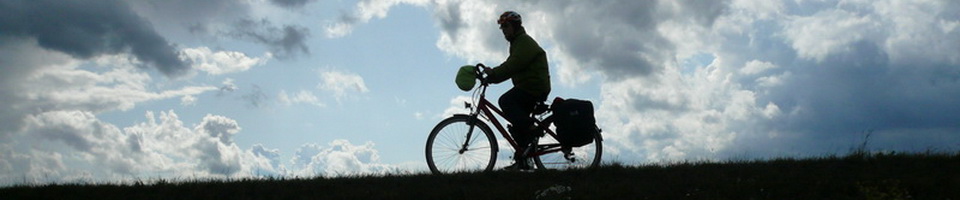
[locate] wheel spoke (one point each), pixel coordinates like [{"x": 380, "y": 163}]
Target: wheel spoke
[
  {"x": 448, "y": 153},
  {"x": 450, "y": 141}
]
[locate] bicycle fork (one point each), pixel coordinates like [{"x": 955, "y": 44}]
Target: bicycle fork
[{"x": 466, "y": 142}]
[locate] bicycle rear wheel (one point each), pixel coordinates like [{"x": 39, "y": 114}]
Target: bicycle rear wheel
[
  {"x": 582, "y": 157},
  {"x": 455, "y": 145}
]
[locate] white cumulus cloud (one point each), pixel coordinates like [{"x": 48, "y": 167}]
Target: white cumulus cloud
[
  {"x": 340, "y": 157},
  {"x": 341, "y": 84},
  {"x": 162, "y": 146},
  {"x": 221, "y": 62},
  {"x": 303, "y": 96}
]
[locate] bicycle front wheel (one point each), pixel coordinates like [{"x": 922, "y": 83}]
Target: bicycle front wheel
[
  {"x": 580, "y": 157},
  {"x": 457, "y": 145}
]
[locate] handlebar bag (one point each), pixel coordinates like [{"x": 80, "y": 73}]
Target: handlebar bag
[{"x": 466, "y": 77}]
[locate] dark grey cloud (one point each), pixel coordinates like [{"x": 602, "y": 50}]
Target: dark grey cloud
[
  {"x": 85, "y": 29},
  {"x": 903, "y": 90},
  {"x": 285, "y": 41},
  {"x": 451, "y": 20},
  {"x": 291, "y": 3},
  {"x": 701, "y": 12},
  {"x": 184, "y": 12},
  {"x": 863, "y": 90},
  {"x": 216, "y": 19},
  {"x": 194, "y": 19},
  {"x": 17, "y": 59},
  {"x": 256, "y": 97},
  {"x": 621, "y": 38}
]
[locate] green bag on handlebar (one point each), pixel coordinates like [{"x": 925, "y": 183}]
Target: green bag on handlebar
[{"x": 466, "y": 77}]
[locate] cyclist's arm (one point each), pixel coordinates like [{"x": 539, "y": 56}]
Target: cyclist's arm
[{"x": 519, "y": 59}]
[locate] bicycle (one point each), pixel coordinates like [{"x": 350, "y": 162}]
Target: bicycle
[{"x": 454, "y": 145}]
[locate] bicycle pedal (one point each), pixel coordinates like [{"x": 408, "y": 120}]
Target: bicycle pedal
[{"x": 570, "y": 157}]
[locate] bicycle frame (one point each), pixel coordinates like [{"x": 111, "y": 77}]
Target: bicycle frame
[{"x": 487, "y": 108}]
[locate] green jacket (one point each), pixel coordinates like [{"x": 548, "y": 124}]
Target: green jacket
[{"x": 527, "y": 66}]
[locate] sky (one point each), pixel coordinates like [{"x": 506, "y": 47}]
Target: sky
[{"x": 117, "y": 90}]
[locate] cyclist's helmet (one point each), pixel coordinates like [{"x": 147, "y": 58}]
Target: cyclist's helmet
[{"x": 509, "y": 16}]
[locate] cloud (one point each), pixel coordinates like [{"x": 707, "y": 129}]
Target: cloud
[
  {"x": 159, "y": 147},
  {"x": 828, "y": 32},
  {"x": 457, "y": 106},
  {"x": 303, "y": 96},
  {"x": 188, "y": 100},
  {"x": 579, "y": 43},
  {"x": 42, "y": 80},
  {"x": 217, "y": 152},
  {"x": 183, "y": 14},
  {"x": 339, "y": 158},
  {"x": 755, "y": 67},
  {"x": 218, "y": 19},
  {"x": 418, "y": 115},
  {"x": 21, "y": 58},
  {"x": 469, "y": 31},
  {"x": 207, "y": 148},
  {"x": 682, "y": 117},
  {"x": 227, "y": 86},
  {"x": 687, "y": 79},
  {"x": 341, "y": 84},
  {"x": 463, "y": 25},
  {"x": 214, "y": 20},
  {"x": 219, "y": 127},
  {"x": 51, "y": 101},
  {"x": 65, "y": 63},
  {"x": 256, "y": 97},
  {"x": 270, "y": 165},
  {"x": 788, "y": 81},
  {"x": 222, "y": 62},
  {"x": 333, "y": 83},
  {"x": 286, "y": 41},
  {"x": 86, "y": 29},
  {"x": 366, "y": 10},
  {"x": 291, "y": 3},
  {"x": 118, "y": 89},
  {"x": 162, "y": 146}
]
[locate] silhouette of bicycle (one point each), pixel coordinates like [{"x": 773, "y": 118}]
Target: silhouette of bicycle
[{"x": 464, "y": 142}]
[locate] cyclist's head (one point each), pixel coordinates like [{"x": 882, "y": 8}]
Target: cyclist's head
[
  {"x": 510, "y": 24},
  {"x": 510, "y": 17}
]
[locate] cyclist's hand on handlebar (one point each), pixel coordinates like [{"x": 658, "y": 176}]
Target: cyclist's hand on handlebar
[{"x": 483, "y": 68}]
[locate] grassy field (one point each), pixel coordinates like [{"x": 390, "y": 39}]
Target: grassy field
[{"x": 857, "y": 176}]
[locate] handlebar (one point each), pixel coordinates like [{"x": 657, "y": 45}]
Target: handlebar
[{"x": 480, "y": 69}]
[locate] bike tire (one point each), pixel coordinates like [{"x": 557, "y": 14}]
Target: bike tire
[
  {"x": 443, "y": 150},
  {"x": 586, "y": 156}
]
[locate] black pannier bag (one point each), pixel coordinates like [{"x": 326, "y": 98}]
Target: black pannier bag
[{"x": 575, "y": 123}]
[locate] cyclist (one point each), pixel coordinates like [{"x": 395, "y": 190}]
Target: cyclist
[{"x": 527, "y": 67}]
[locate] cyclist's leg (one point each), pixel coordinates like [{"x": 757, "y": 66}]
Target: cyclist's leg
[{"x": 517, "y": 106}]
